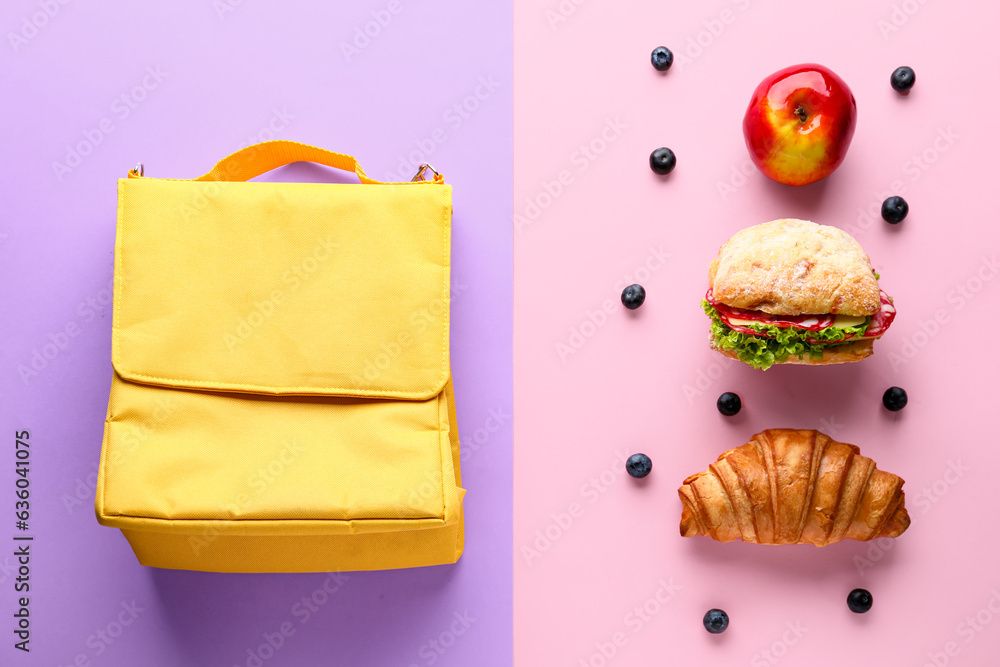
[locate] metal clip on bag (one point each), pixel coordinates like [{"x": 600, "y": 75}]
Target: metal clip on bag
[{"x": 281, "y": 398}]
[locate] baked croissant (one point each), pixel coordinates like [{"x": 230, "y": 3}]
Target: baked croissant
[{"x": 788, "y": 486}]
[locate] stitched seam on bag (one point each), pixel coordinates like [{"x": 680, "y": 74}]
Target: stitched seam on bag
[
  {"x": 192, "y": 180},
  {"x": 461, "y": 506},
  {"x": 103, "y": 491},
  {"x": 451, "y": 426},
  {"x": 118, "y": 274},
  {"x": 381, "y": 391},
  {"x": 446, "y": 288},
  {"x": 344, "y": 521},
  {"x": 460, "y": 532},
  {"x": 444, "y": 498},
  {"x": 115, "y": 292},
  {"x": 105, "y": 444},
  {"x": 342, "y": 392}
]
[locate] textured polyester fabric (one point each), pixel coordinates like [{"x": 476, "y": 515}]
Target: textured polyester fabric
[{"x": 281, "y": 397}]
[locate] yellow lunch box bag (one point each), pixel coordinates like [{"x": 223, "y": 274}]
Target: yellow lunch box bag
[{"x": 281, "y": 399}]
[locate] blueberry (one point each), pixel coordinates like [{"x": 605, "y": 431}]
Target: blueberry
[
  {"x": 662, "y": 58},
  {"x": 894, "y": 399},
  {"x": 639, "y": 465},
  {"x": 894, "y": 209},
  {"x": 662, "y": 161},
  {"x": 859, "y": 600},
  {"x": 902, "y": 79},
  {"x": 716, "y": 621},
  {"x": 729, "y": 403},
  {"x": 633, "y": 296}
]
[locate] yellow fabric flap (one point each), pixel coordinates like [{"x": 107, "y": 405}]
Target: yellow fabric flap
[
  {"x": 211, "y": 463},
  {"x": 283, "y": 288}
]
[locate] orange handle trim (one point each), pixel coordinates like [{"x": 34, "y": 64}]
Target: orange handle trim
[{"x": 258, "y": 159}]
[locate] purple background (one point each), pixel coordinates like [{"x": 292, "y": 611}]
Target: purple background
[{"x": 229, "y": 78}]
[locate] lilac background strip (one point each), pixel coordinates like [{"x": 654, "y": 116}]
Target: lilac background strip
[{"x": 92, "y": 88}]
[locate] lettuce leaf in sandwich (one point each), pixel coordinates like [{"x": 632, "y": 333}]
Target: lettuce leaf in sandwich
[{"x": 776, "y": 344}]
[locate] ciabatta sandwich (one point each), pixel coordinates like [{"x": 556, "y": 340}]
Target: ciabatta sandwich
[{"x": 794, "y": 292}]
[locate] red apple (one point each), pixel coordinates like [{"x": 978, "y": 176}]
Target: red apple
[{"x": 799, "y": 124}]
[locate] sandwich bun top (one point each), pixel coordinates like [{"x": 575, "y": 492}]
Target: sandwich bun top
[{"x": 794, "y": 267}]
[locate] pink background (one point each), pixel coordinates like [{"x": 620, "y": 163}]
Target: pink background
[{"x": 646, "y": 381}]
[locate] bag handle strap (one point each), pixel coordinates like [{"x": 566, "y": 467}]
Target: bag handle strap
[{"x": 257, "y": 159}]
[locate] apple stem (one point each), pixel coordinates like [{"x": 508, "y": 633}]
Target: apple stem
[{"x": 801, "y": 113}]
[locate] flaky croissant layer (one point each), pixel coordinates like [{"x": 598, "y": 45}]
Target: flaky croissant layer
[{"x": 790, "y": 486}]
